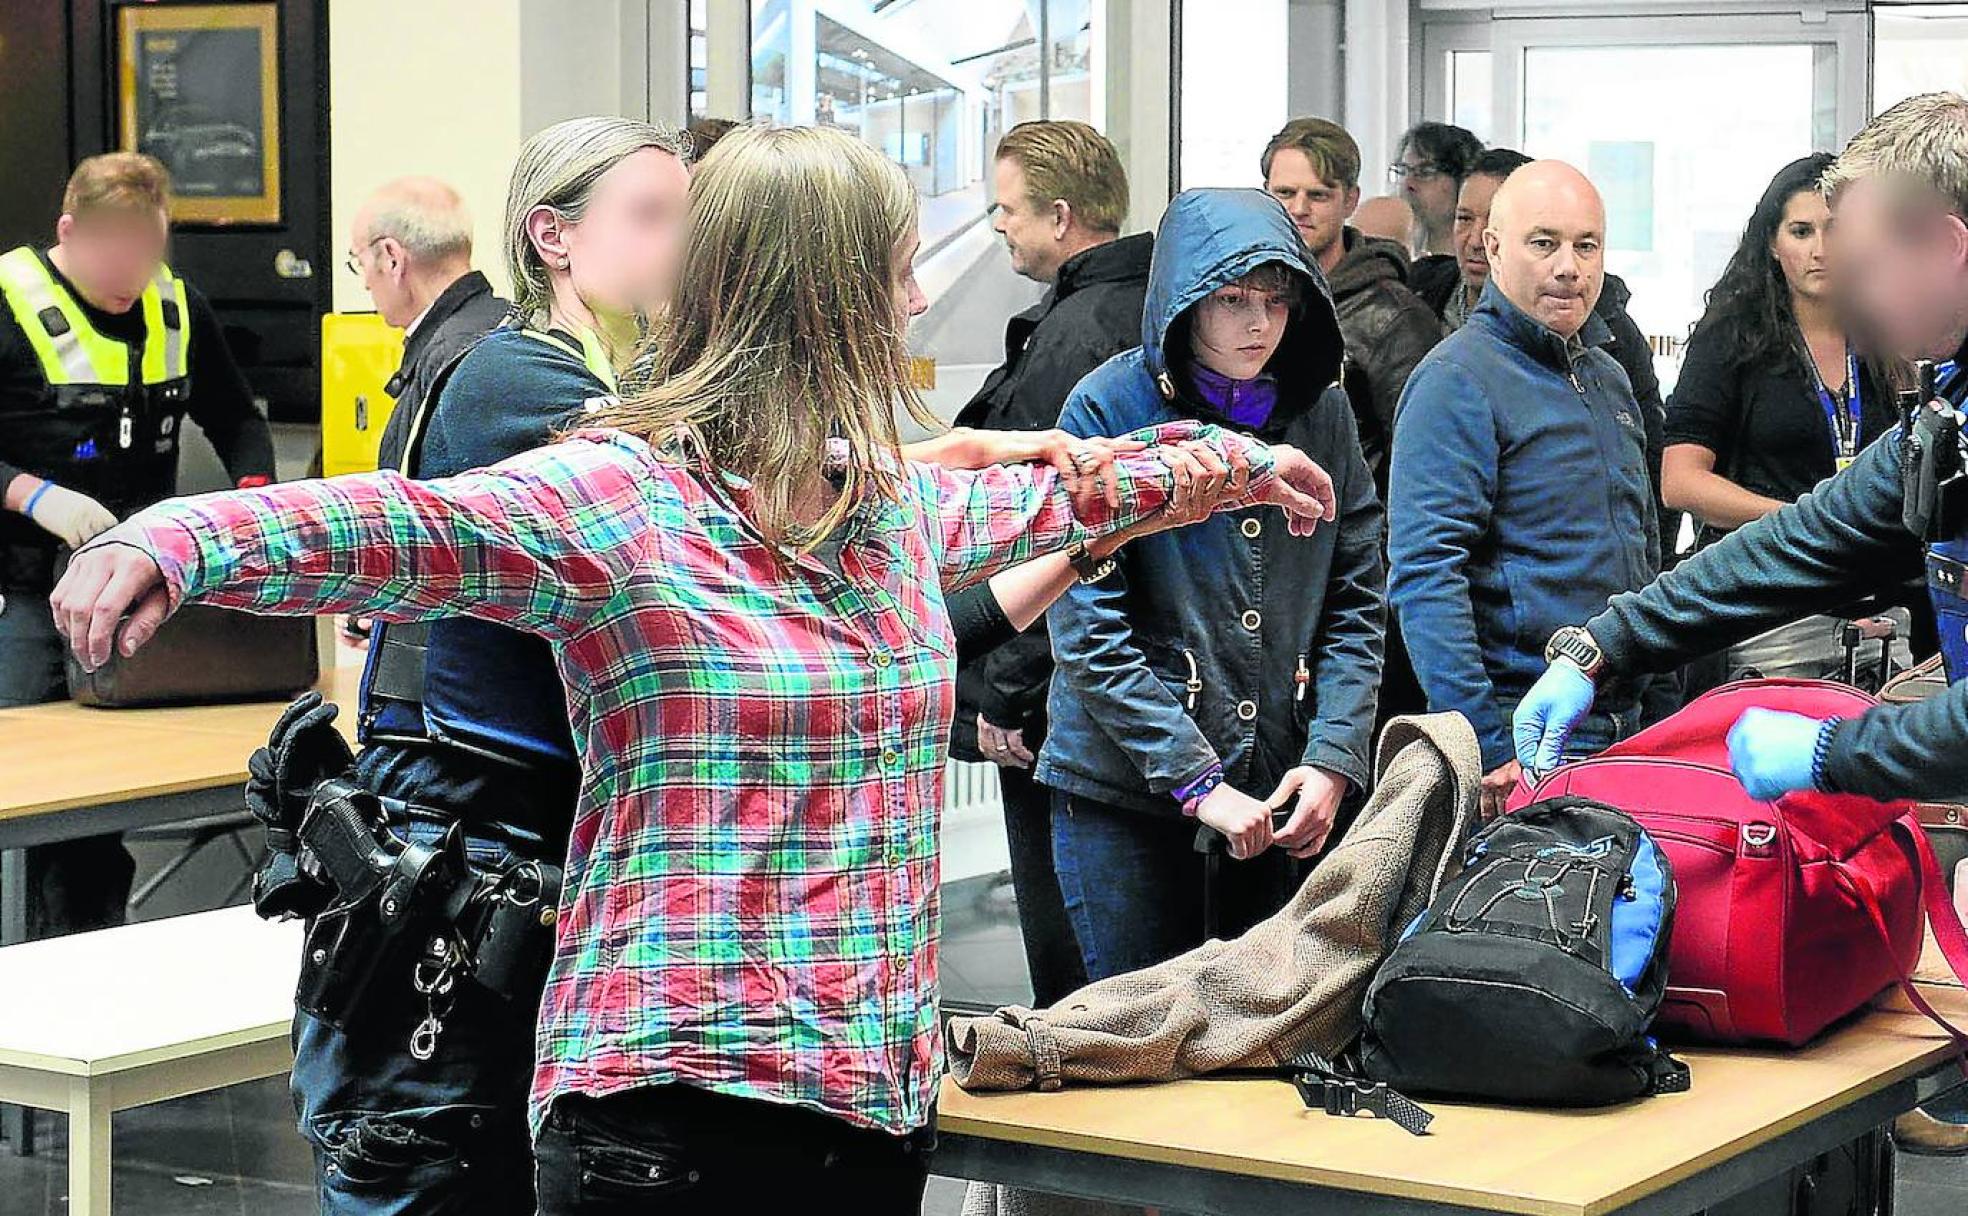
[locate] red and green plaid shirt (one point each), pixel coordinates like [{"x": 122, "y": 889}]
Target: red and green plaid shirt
[{"x": 751, "y": 896}]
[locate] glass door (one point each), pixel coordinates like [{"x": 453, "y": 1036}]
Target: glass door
[{"x": 1680, "y": 124}]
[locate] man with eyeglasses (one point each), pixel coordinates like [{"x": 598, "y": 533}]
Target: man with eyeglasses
[
  {"x": 103, "y": 353},
  {"x": 411, "y": 246},
  {"x": 1433, "y": 159}
]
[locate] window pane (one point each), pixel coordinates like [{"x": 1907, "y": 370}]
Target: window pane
[
  {"x": 1678, "y": 183},
  {"x": 1469, "y": 92},
  {"x": 1923, "y": 50},
  {"x": 698, "y": 97},
  {"x": 1233, "y": 88},
  {"x": 934, "y": 84}
]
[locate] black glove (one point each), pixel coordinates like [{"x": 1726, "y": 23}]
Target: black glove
[{"x": 303, "y": 750}]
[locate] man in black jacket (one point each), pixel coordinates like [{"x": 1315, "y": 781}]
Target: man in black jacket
[
  {"x": 411, "y": 246},
  {"x": 1313, "y": 168},
  {"x": 1061, "y": 199}
]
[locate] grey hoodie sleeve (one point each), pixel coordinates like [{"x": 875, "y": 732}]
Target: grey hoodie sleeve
[{"x": 1841, "y": 542}]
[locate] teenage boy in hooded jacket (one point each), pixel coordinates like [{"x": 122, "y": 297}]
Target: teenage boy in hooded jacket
[{"x": 1230, "y": 669}]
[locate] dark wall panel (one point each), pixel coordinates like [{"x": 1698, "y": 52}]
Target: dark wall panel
[{"x": 34, "y": 118}]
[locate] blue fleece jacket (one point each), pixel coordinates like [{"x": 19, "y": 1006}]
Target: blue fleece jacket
[{"x": 1519, "y": 502}]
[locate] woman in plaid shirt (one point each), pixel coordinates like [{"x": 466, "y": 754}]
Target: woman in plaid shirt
[{"x": 744, "y": 585}]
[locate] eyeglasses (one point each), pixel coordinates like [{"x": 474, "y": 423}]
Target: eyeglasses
[
  {"x": 1399, "y": 172},
  {"x": 354, "y": 260}
]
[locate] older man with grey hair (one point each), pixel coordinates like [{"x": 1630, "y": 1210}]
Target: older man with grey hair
[{"x": 411, "y": 246}]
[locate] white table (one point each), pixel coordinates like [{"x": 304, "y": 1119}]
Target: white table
[{"x": 100, "y": 1022}]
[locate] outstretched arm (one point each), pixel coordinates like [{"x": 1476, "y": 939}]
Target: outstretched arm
[{"x": 538, "y": 542}]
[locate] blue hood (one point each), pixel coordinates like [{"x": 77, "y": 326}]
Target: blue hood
[{"x": 1212, "y": 237}]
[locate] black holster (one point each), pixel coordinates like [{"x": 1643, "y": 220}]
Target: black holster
[
  {"x": 495, "y": 926},
  {"x": 1933, "y": 472},
  {"x": 382, "y": 886}
]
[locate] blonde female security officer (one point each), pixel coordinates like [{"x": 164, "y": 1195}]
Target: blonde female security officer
[{"x": 103, "y": 352}]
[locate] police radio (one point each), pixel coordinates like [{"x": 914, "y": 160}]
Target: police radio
[{"x": 1935, "y": 503}]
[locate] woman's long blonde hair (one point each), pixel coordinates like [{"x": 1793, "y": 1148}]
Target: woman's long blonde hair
[{"x": 784, "y": 332}]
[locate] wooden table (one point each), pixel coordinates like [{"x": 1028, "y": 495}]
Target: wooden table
[
  {"x": 94, "y": 1023},
  {"x": 1234, "y": 1146},
  {"x": 67, "y": 772}
]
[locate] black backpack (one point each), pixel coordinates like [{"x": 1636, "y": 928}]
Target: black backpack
[{"x": 1535, "y": 974}]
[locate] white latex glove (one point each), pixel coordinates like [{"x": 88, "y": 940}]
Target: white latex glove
[{"x": 74, "y": 518}]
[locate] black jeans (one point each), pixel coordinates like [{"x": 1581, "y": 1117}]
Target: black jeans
[
  {"x": 1052, "y": 953},
  {"x": 675, "y": 1149},
  {"x": 73, "y": 885}
]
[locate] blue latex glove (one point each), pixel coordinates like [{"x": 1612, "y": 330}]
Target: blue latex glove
[
  {"x": 1773, "y": 752},
  {"x": 1545, "y": 717}
]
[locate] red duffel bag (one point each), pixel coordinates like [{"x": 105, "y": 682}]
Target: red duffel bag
[{"x": 1792, "y": 913}]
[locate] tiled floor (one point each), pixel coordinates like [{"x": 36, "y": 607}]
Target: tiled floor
[{"x": 235, "y": 1153}]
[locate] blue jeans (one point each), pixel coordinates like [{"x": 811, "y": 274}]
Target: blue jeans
[
  {"x": 72, "y": 885},
  {"x": 1052, "y": 957},
  {"x": 1133, "y": 884},
  {"x": 393, "y": 1134}
]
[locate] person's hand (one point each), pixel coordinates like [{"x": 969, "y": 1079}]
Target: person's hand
[
  {"x": 72, "y": 518},
  {"x": 1546, "y": 716},
  {"x": 356, "y": 631},
  {"x": 104, "y": 584},
  {"x": 1086, "y": 465},
  {"x": 1004, "y": 748},
  {"x": 1318, "y": 792},
  {"x": 1497, "y": 787},
  {"x": 1302, "y": 489},
  {"x": 1773, "y": 752},
  {"x": 1244, "y": 821},
  {"x": 1204, "y": 481}
]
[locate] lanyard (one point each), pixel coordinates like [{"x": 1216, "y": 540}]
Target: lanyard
[
  {"x": 1947, "y": 378},
  {"x": 1842, "y": 410}
]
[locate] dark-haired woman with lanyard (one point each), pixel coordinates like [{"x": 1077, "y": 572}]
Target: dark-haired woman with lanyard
[{"x": 1772, "y": 399}]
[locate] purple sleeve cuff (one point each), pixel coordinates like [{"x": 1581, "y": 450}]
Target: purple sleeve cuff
[{"x": 1192, "y": 793}]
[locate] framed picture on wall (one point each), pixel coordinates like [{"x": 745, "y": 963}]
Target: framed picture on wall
[{"x": 198, "y": 87}]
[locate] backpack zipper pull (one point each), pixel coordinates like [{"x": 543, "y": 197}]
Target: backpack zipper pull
[{"x": 1300, "y": 678}]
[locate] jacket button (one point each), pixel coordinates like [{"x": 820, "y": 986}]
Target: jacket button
[
  {"x": 1247, "y": 710},
  {"x": 1252, "y": 620},
  {"x": 883, "y": 658},
  {"x": 1253, "y": 527}
]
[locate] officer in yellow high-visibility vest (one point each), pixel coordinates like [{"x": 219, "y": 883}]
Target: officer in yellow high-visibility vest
[{"x": 103, "y": 352}]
